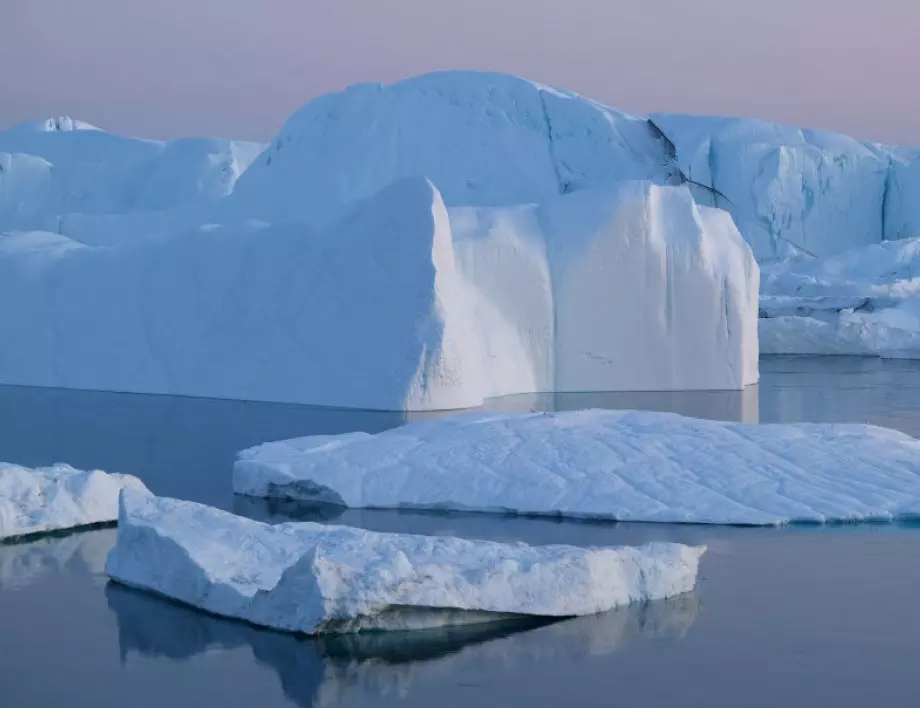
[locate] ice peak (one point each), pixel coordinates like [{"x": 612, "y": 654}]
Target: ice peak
[{"x": 55, "y": 124}]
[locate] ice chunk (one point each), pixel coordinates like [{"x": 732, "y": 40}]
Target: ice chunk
[
  {"x": 312, "y": 579},
  {"x": 861, "y": 302},
  {"x": 56, "y": 498},
  {"x": 622, "y": 465}
]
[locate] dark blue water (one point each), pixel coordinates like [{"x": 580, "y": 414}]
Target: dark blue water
[{"x": 793, "y": 617}]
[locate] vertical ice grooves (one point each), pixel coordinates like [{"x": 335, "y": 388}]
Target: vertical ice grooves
[{"x": 561, "y": 185}]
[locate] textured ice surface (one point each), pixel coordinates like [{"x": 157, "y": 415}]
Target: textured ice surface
[
  {"x": 621, "y": 288},
  {"x": 483, "y": 139},
  {"x": 622, "y": 465},
  {"x": 862, "y": 302},
  {"x": 788, "y": 189},
  {"x": 57, "y": 498},
  {"x": 312, "y": 578}
]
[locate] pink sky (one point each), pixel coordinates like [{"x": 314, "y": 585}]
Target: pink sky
[{"x": 238, "y": 68}]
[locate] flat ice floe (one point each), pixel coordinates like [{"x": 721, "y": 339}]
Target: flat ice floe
[
  {"x": 863, "y": 302},
  {"x": 314, "y": 579},
  {"x": 617, "y": 465},
  {"x": 57, "y": 498}
]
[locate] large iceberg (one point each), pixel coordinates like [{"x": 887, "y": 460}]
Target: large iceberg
[
  {"x": 315, "y": 579},
  {"x": 789, "y": 190},
  {"x": 617, "y": 465},
  {"x": 861, "y": 302},
  {"x": 627, "y": 287},
  {"x": 56, "y": 498},
  {"x": 57, "y": 170},
  {"x": 484, "y": 139}
]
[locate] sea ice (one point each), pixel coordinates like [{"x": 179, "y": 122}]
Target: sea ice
[
  {"x": 315, "y": 579},
  {"x": 861, "y": 302},
  {"x": 618, "y": 465},
  {"x": 56, "y": 498}
]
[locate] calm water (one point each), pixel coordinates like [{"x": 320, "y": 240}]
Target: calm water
[{"x": 794, "y": 617}]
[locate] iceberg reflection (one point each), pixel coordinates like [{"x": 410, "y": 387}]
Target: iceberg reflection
[{"x": 328, "y": 670}]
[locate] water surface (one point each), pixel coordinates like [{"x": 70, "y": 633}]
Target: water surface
[{"x": 795, "y": 617}]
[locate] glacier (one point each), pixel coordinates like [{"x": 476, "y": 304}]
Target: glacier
[
  {"x": 862, "y": 302},
  {"x": 46, "y": 499},
  {"x": 397, "y": 306},
  {"x": 610, "y": 465},
  {"x": 314, "y": 579}
]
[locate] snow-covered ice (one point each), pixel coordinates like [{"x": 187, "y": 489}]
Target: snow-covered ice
[
  {"x": 314, "y": 579},
  {"x": 862, "y": 302},
  {"x": 56, "y": 498},
  {"x": 617, "y": 465},
  {"x": 627, "y": 287}
]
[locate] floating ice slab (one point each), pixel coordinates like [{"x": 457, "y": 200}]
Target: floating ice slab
[
  {"x": 314, "y": 579},
  {"x": 56, "y": 498},
  {"x": 622, "y": 465},
  {"x": 862, "y": 302}
]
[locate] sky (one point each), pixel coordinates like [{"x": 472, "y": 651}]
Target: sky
[{"x": 239, "y": 68}]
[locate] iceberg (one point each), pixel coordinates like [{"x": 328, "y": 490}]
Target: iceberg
[
  {"x": 613, "y": 465},
  {"x": 789, "y": 190},
  {"x": 484, "y": 139},
  {"x": 861, "y": 302},
  {"x": 314, "y": 579},
  {"x": 57, "y": 498},
  {"x": 398, "y": 306},
  {"x": 59, "y": 169}
]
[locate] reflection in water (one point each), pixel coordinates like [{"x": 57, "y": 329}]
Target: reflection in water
[
  {"x": 22, "y": 564},
  {"x": 740, "y": 406},
  {"x": 325, "y": 671}
]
